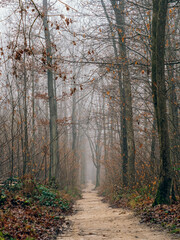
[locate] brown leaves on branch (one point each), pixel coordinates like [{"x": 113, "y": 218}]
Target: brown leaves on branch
[
  {"x": 43, "y": 96},
  {"x": 68, "y": 21},
  {"x": 73, "y": 90},
  {"x": 19, "y": 52},
  {"x": 64, "y": 121},
  {"x": 43, "y": 122},
  {"x": 57, "y": 27}
]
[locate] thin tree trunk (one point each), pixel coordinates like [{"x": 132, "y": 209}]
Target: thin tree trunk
[
  {"x": 21, "y": 125},
  {"x": 52, "y": 100},
  {"x": 124, "y": 147},
  {"x": 153, "y": 144},
  {"x": 97, "y": 176},
  {"x": 12, "y": 130},
  {"x": 104, "y": 134},
  {"x": 120, "y": 21},
  {"x": 26, "y": 166},
  {"x": 33, "y": 118}
]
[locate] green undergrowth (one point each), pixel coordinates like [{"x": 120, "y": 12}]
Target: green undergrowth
[
  {"x": 140, "y": 199},
  {"x": 30, "y": 210},
  {"x": 74, "y": 192}
]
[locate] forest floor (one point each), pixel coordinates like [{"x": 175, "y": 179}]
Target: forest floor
[
  {"x": 96, "y": 220},
  {"x": 30, "y": 211}
]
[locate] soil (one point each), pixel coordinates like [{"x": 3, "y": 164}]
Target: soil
[{"x": 95, "y": 220}]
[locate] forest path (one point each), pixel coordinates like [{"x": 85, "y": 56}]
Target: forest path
[{"x": 95, "y": 220}]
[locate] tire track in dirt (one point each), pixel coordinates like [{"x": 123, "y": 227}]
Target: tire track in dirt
[{"x": 97, "y": 221}]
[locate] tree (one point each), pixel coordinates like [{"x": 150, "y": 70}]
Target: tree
[
  {"x": 54, "y": 151},
  {"x": 96, "y": 151},
  {"x": 119, "y": 8},
  {"x": 164, "y": 191},
  {"x": 124, "y": 148}
]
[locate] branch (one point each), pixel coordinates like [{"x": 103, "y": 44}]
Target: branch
[
  {"x": 68, "y": 5},
  {"x": 40, "y": 14}
]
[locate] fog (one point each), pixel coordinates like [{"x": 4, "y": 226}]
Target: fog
[{"x": 76, "y": 96}]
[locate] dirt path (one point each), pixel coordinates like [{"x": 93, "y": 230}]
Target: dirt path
[{"x": 95, "y": 220}]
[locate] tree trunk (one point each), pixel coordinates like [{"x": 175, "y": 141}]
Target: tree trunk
[
  {"x": 26, "y": 165},
  {"x": 153, "y": 145},
  {"x": 104, "y": 136},
  {"x": 120, "y": 21},
  {"x": 52, "y": 100},
  {"x": 74, "y": 137},
  {"x": 124, "y": 147},
  {"x": 159, "y": 96},
  {"x": 173, "y": 108},
  {"x": 97, "y": 175},
  {"x": 33, "y": 118}
]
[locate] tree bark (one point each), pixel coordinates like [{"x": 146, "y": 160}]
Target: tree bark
[
  {"x": 52, "y": 100},
  {"x": 123, "y": 140},
  {"x": 153, "y": 145},
  {"x": 120, "y": 21},
  {"x": 173, "y": 107},
  {"x": 159, "y": 97},
  {"x": 98, "y": 175}
]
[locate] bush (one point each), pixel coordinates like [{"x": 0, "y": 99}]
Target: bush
[
  {"x": 50, "y": 197},
  {"x": 12, "y": 184},
  {"x": 2, "y": 197}
]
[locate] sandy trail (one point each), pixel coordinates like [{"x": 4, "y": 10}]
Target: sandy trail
[{"x": 95, "y": 220}]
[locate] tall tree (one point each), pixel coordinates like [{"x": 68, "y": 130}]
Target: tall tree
[
  {"x": 54, "y": 152},
  {"x": 124, "y": 148},
  {"x": 159, "y": 98},
  {"x": 119, "y": 11}
]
